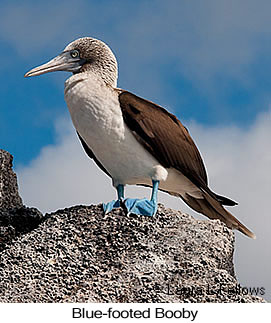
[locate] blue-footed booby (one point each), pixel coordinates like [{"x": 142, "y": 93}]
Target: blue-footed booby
[{"x": 134, "y": 141}]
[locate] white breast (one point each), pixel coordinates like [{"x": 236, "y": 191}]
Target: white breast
[{"x": 96, "y": 115}]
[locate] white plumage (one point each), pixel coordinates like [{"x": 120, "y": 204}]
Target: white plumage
[{"x": 97, "y": 117}]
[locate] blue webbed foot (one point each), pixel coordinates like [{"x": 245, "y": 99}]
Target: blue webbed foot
[
  {"x": 108, "y": 207},
  {"x": 141, "y": 206}
]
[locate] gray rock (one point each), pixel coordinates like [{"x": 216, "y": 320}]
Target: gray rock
[
  {"x": 79, "y": 255},
  {"x": 9, "y": 196},
  {"x": 15, "y": 218}
]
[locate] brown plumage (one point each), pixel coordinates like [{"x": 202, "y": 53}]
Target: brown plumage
[{"x": 164, "y": 136}]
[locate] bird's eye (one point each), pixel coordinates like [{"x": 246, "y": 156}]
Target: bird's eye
[{"x": 74, "y": 53}]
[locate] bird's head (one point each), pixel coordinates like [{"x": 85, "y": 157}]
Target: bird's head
[{"x": 81, "y": 56}]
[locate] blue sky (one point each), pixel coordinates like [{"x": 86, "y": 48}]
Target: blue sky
[{"x": 208, "y": 62}]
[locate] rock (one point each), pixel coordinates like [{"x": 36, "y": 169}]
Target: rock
[
  {"x": 79, "y": 255},
  {"x": 15, "y": 218},
  {"x": 9, "y": 196}
]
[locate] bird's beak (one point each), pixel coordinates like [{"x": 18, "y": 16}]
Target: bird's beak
[{"x": 62, "y": 62}]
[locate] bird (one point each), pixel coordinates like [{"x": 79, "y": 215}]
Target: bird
[{"x": 133, "y": 140}]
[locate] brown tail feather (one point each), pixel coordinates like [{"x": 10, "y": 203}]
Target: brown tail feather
[{"x": 213, "y": 209}]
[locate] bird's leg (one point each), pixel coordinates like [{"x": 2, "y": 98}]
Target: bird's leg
[
  {"x": 144, "y": 206},
  {"x": 120, "y": 190},
  {"x": 107, "y": 207}
]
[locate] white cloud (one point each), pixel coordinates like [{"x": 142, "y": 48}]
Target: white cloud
[
  {"x": 62, "y": 175},
  {"x": 238, "y": 161}
]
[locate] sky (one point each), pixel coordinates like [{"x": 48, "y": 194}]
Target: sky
[{"x": 208, "y": 62}]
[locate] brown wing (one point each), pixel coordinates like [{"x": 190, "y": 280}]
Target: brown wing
[{"x": 164, "y": 136}]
